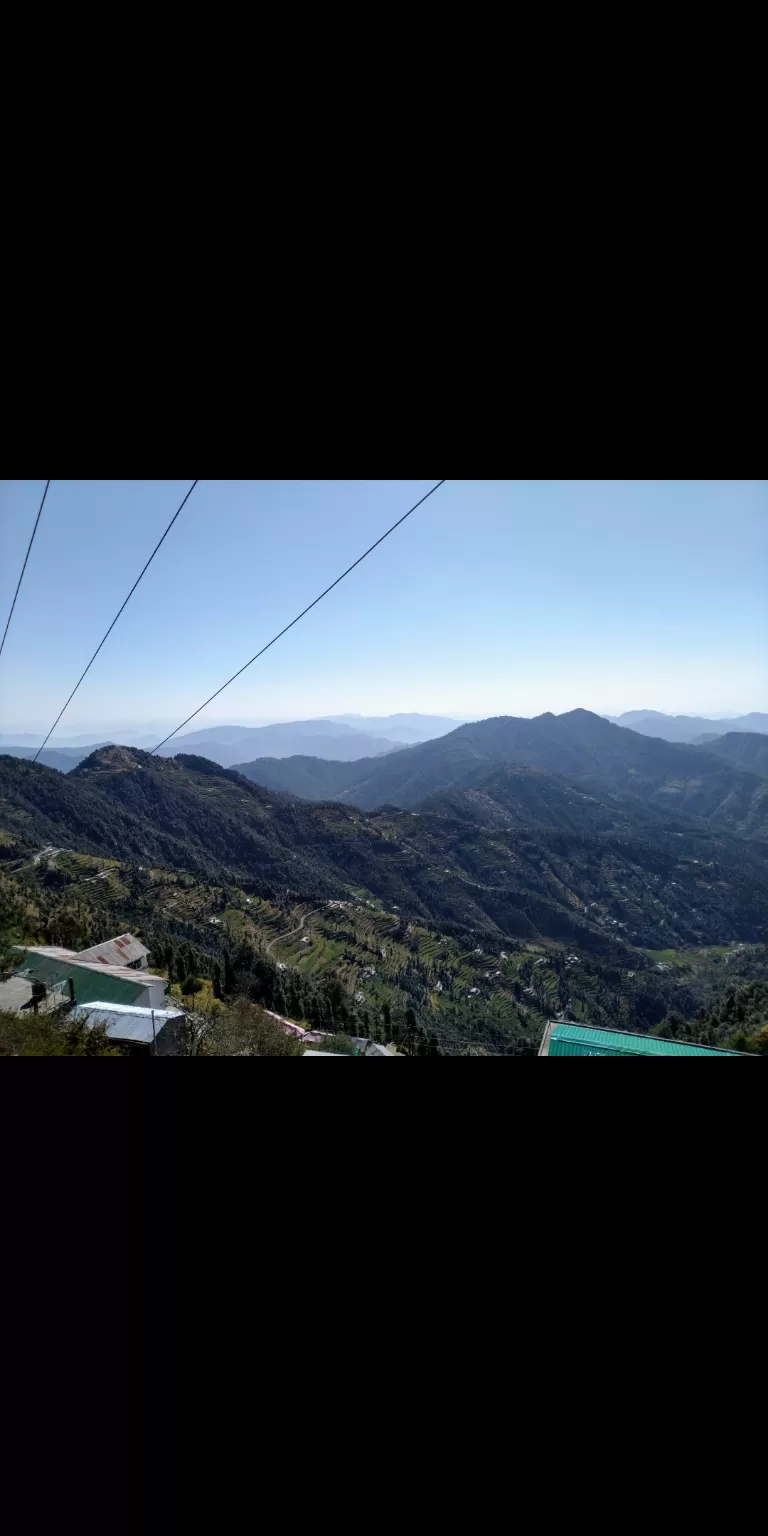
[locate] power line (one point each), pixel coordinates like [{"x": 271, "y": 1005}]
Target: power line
[
  {"x": 114, "y": 621},
  {"x": 24, "y": 567},
  {"x": 298, "y": 616}
]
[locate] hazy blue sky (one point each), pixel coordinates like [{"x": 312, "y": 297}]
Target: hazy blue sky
[{"x": 495, "y": 597}]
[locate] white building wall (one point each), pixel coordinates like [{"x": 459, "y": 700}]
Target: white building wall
[{"x": 153, "y": 995}]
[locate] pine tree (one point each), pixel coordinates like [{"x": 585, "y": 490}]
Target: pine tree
[
  {"x": 190, "y": 985},
  {"x": 410, "y": 1029}
]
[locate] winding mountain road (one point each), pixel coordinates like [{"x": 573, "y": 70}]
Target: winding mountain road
[{"x": 280, "y": 938}]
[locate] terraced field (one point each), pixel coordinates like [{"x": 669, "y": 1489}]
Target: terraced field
[
  {"x": 495, "y": 993},
  {"x": 86, "y": 869}
]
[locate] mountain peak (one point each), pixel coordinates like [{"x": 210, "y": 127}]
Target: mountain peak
[
  {"x": 117, "y": 759},
  {"x": 580, "y": 714}
]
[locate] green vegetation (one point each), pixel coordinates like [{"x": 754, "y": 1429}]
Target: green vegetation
[
  {"x": 53, "y": 1034},
  {"x": 735, "y": 1021},
  {"x": 189, "y": 987},
  {"x": 458, "y": 928},
  {"x": 623, "y": 876},
  {"x": 337, "y": 1045},
  {"x": 240, "y": 1029}
]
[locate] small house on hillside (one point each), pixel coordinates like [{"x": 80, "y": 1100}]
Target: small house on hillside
[{"x": 68, "y": 977}]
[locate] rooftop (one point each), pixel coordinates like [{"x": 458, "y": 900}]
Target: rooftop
[
  {"x": 51, "y": 951},
  {"x": 123, "y": 972},
  {"x": 125, "y": 1023},
  {"x": 120, "y": 951},
  {"x": 583, "y": 1040}
]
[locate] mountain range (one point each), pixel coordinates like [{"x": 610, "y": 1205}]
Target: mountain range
[
  {"x": 323, "y": 738},
  {"x": 62, "y": 758},
  {"x": 343, "y": 738},
  {"x": 580, "y": 746},
  {"x": 525, "y": 853},
  {"x": 406, "y": 729},
  {"x": 688, "y": 728},
  {"x": 485, "y": 878}
]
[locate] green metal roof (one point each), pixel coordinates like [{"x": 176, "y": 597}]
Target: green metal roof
[{"x": 580, "y": 1040}]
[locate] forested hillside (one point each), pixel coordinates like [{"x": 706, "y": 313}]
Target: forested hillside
[
  {"x": 745, "y": 749},
  {"x": 547, "y": 861},
  {"x": 482, "y": 914},
  {"x": 311, "y": 778},
  {"x": 736, "y": 1019},
  {"x": 357, "y": 965}
]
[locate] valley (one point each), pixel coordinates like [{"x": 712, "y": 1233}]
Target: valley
[{"x": 492, "y": 908}]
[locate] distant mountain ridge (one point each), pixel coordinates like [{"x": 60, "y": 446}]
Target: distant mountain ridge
[
  {"x": 323, "y": 738},
  {"x": 406, "y": 729},
  {"x": 580, "y": 746},
  {"x": 62, "y": 758},
  {"x": 225, "y": 744},
  {"x": 341, "y": 738},
  {"x": 685, "y": 728}
]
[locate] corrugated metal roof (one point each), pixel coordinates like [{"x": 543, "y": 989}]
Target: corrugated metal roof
[
  {"x": 139, "y": 978},
  {"x": 122, "y": 1022},
  {"x": 49, "y": 950},
  {"x": 119, "y": 951},
  {"x": 613, "y": 1042}
]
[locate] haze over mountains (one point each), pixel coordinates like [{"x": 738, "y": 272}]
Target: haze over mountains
[
  {"x": 343, "y": 738},
  {"x": 405, "y": 729},
  {"x": 579, "y": 746},
  {"x": 323, "y": 738},
  {"x": 348, "y": 738},
  {"x": 689, "y": 728}
]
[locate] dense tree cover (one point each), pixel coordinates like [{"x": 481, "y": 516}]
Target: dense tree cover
[
  {"x": 310, "y": 778},
  {"x": 601, "y": 880},
  {"x": 737, "y": 1020},
  {"x": 599, "y": 990}
]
